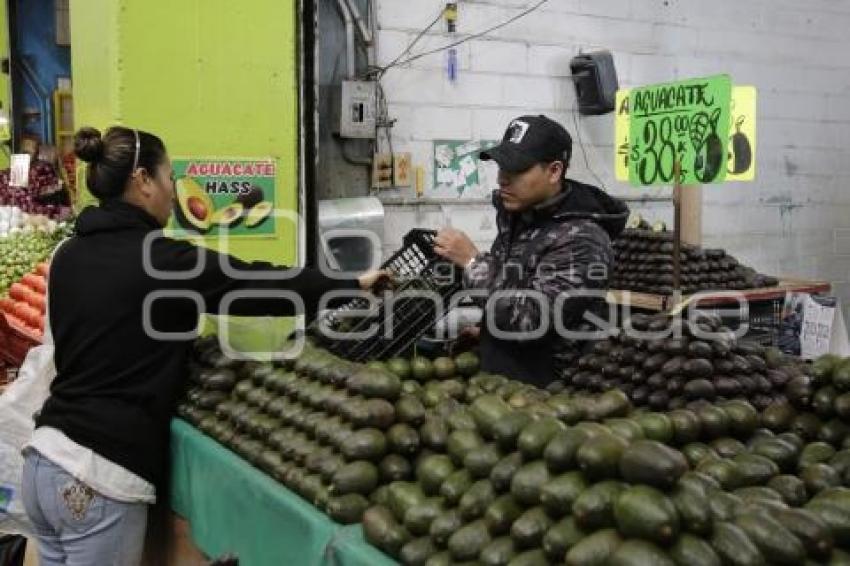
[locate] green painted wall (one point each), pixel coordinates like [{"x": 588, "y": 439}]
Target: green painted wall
[
  {"x": 214, "y": 78},
  {"x": 5, "y": 90}
]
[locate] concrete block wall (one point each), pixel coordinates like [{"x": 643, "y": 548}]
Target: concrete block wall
[{"x": 793, "y": 220}]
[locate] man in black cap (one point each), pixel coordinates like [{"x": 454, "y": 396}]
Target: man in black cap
[{"x": 554, "y": 238}]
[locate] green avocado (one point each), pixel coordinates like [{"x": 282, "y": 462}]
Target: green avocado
[
  {"x": 504, "y": 471},
  {"x": 482, "y": 461},
  {"x": 468, "y": 542},
  {"x": 444, "y": 526},
  {"x": 811, "y": 531},
  {"x": 734, "y": 546},
  {"x": 639, "y": 553},
  {"x": 776, "y": 543},
  {"x": 536, "y": 435},
  {"x": 455, "y": 485},
  {"x": 476, "y": 500},
  {"x": 466, "y": 364},
  {"x": 652, "y": 463},
  {"x": 365, "y": 444},
  {"x": 418, "y": 519},
  {"x": 382, "y": 530},
  {"x": 644, "y": 512},
  {"x": 560, "y": 452},
  {"x": 599, "y": 457},
  {"x": 754, "y": 469},
  {"x": 433, "y": 471},
  {"x": 693, "y": 551},
  {"x": 691, "y": 502},
  {"x": 558, "y": 496},
  {"x": 594, "y": 508},
  {"x": 561, "y": 537},
  {"x": 527, "y": 483},
  {"x": 347, "y": 509},
  {"x": 528, "y": 530},
  {"x": 418, "y": 551},
  {"x": 501, "y": 514},
  {"x": 499, "y": 552},
  {"x": 594, "y": 550}
]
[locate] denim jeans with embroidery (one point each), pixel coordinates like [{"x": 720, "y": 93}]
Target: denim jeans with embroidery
[{"x": 75, "y": 525}]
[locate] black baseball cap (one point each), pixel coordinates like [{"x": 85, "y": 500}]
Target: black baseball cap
[{"x": 530, "y": 140}]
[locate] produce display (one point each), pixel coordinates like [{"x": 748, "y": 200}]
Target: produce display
[
  {"x": 20, "y": 253},
  {"x": 672, "y": 366},
  {"x": 445, "y": 465},
  {"x": 644, "y": 263},
  {"x": 331, "y": 430},
  {"x": 14, "y": 221},
  {"x": 26, "y": 304},
  {"x": 43, "y": 183}
]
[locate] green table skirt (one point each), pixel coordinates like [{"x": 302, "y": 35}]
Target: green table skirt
[{"x": 233, "y": 507}]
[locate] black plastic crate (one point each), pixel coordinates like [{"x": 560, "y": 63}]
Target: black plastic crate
[{"x": 403, "y": 316}]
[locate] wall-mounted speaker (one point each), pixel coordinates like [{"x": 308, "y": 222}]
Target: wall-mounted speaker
[{"x": 596, "y": 82}]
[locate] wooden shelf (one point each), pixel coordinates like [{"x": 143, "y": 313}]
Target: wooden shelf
[{"x": 661, "y": 303}]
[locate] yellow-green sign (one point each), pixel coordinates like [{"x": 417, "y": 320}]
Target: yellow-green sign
[
  {"x": 685, "y": 121},
  {"x": 218, "y": 196},
  {"x": 742, "y": 135}
]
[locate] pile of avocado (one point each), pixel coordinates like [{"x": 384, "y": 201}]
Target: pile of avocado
[
  {"x": 444, "y": 464},
  {"x": 666, "y": 363},
  {"x": 332, "y": 430},
  {"x": 527, "y": 486},
  {"x": 644, "y": 263}
]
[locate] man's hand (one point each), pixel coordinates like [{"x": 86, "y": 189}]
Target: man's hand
[
  {"x": 375, "y": 281},
  {"x": 455, "y": 246}
]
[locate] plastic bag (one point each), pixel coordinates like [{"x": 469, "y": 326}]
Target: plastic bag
[
  {"x": 23, "y": 398},
  {"x": 18, "y": 404}
]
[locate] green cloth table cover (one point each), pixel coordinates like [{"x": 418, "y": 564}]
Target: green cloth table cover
[{"x": 233, "y": 507}]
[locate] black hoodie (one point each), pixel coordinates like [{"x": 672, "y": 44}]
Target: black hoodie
[
  {"x": 559, "y": 246},
  {"x": 116, "y": 385}
]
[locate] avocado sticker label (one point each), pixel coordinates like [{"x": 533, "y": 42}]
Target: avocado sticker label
[
  {"x": 686, "y": 121},
  {"x": 741, "y": 154},
  {"x": 216, "y": 196}
]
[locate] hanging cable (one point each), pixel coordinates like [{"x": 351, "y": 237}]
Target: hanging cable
[
  {"x": 482, "y": 33},
  {"x": 584, "y": 151}
]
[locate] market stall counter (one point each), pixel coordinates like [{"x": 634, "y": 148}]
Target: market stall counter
[{"x": 233, "y": 507}]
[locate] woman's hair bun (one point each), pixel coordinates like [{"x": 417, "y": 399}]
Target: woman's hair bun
[{"x": 88, "y": 144}]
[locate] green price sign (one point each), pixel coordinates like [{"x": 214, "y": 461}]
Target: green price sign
[{"x": 686, "y": 121}]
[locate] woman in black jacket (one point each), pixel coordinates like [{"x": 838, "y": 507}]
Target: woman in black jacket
[{"x": 120, "y": 296}]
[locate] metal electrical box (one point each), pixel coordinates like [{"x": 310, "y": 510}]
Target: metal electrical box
[
  {"x": 596, "y": 81},
  {"x": 357, "y": 109}
]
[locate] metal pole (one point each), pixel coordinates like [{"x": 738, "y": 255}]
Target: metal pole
[
  {"x": 677, "y": 230},
  {"x": 350, "y": 54}
]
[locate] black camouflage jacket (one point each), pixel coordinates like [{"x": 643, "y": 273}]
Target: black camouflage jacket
[{"x": 561, "y": 245}]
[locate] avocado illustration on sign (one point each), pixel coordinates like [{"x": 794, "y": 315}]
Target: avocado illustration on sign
[
  {"x": 252, "y": 197},
  {"x": 258, "y": 214},
  {"x": 194, "y": 210},
  {"x": 741, "y": 156},
  {"x": 709, "y": 149},
  {"x": 228, "y": 216}
]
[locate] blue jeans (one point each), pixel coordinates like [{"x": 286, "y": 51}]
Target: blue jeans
[{"x": 75, "y": 525}]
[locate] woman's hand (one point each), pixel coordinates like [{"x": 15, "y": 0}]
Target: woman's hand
[
  {"x": 376, "y": 281},
  {"x": 455, "y": 246}
]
